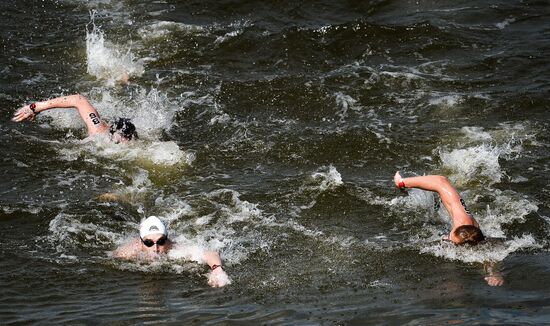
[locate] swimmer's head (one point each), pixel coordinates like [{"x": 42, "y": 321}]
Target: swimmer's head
[
  {"x": 152, "y": 225},
  {"x": 467, "y": 234},
  {"x": 122, "y": 130}
]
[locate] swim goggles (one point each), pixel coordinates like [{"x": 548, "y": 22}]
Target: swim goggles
[{"x": 150, "y": 243}]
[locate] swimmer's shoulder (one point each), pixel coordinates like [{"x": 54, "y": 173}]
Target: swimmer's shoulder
[{"x": 128, "y": 250}]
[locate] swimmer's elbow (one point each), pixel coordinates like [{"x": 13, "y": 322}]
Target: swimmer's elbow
[
  {"x": 76, "y": 100},
  {"x": 443, "y": 181}
]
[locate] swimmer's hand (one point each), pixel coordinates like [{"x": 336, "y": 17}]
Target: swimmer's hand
[
  {"x": 494, "y": 280},
  {"x": 24, "y": 113},
  {"x": 494, "y": 276},
  {"x": 218, "y": 278},
  {"x": 398, "y": 180}
]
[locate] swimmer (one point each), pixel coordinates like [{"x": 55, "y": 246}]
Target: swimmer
[
  {"x": 153, "y": 242},
  {"x": 465, "y": 229},
  {"x": 121, "y": 131}
]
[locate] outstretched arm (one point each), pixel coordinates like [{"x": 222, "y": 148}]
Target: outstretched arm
[
  {"x": 449, "y": 196},
  {"x": 218, "y": 277},
  {"x": 87, "y": 112}
]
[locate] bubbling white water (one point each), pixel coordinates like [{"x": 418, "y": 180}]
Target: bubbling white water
[
  {"x": 151, "y": 111},
  {"x": 488, "y": 252},
  {"x": 161, "y": 29},
  {"x": 221, "y": 230},
  {"x": 328, "y": 178},
  {"x": 68, "y": 231},
  {"x": 481, "y": 151},
  {"x": 165, "y": 153},
  {"x": 472, "y": 156},
  {"x": 481, "y": 160},
  {"x": 108, "y": 61}
]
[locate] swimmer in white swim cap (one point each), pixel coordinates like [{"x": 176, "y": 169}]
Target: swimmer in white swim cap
[
  {"x": 120, "y": 131},
  {"x": 153, "y": 242}
]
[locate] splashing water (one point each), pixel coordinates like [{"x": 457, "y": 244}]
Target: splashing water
[
  {"x": 107, "y": 61},
  {"x": 329, "y": 179},
  {"x": 481, "y": 253},
  {"x": 481, "y": 160}
]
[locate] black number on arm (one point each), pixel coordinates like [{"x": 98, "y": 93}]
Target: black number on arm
[{"x": 95, "y": 118}]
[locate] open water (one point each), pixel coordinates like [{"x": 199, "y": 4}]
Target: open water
[{"x": 270, "y": 131}]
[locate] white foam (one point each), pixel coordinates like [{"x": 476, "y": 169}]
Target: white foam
[
  {"x": 415, "y": 199},
  {"x": 238, "y": 210},
  {"x": 346, "y": 102},
  {"x": 222, "y": 118},
  {"x": 108, "y": 61},
  {"x": 68, "y": 231},
  {"x": 165, "y": 153},
  {"x": 448, "y": 100},
  {"x": 28, "y": 209},
  {"x": 163, "y": 28},
  {"x": 489, "y": 252},
  {"x": 221, "y": 231},
  {"x": 328, "y": 178},
  {"x": 468, "y": 163},
  {"x": 152, "y": 111},
  {"x": 505, "y": 23},
  {"x": 477, "y": 134},
  {"x": 481, "y": 151},
  {"x": 507, "y": 207},
  {"x": 238, "y": 29}
]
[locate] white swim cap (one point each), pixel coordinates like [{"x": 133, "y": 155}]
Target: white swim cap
[{"x": 152, "y": 225}]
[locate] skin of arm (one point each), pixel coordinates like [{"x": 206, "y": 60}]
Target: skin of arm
[
  {"x": 455, "y": 206},
  {"x": 449, "y": 196},
  {"x": 87, "y": 112},
  {"x": 218, "y": 277},
  {"x": 493, "y": 275}
]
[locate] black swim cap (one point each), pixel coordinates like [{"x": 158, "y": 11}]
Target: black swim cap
[{"x": 125, "y": 128}]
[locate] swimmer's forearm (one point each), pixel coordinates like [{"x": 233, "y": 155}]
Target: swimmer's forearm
[
  {"x": 212, "y": 258},
  {"x": 435, "y": 183},
  {"x": 69, "y": 101},
  {"x": 88, "y": 113}
]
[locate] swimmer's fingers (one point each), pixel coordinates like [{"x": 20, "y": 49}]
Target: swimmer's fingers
[
  {"x": 17, "y": 115},
  {"x": 218, "y": 278},
  {"x": 494, "y": 280},
  {"x": 22, "y": 114}
]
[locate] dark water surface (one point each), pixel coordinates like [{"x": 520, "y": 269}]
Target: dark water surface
[{"x": 270, "y": 132}]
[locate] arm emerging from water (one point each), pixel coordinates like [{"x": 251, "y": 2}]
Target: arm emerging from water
[
  {"x": 87, "y": 112},
  {"x": 465, "y": 228},
  {"x": 493, "y": 275},
  {"x": 218, "y": 277}
]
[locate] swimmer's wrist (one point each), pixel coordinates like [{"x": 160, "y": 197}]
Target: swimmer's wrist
[
  {"x": 216, "y": 266},
  {"x": 33, "y": 108}
]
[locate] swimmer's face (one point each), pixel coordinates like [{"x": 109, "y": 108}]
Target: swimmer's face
[
  {"x": 160, "y": 242},
  {"x": 118, "y": 138}
]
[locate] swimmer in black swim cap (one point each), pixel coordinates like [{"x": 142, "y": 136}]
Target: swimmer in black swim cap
[{"x": 122, "y": 130}]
